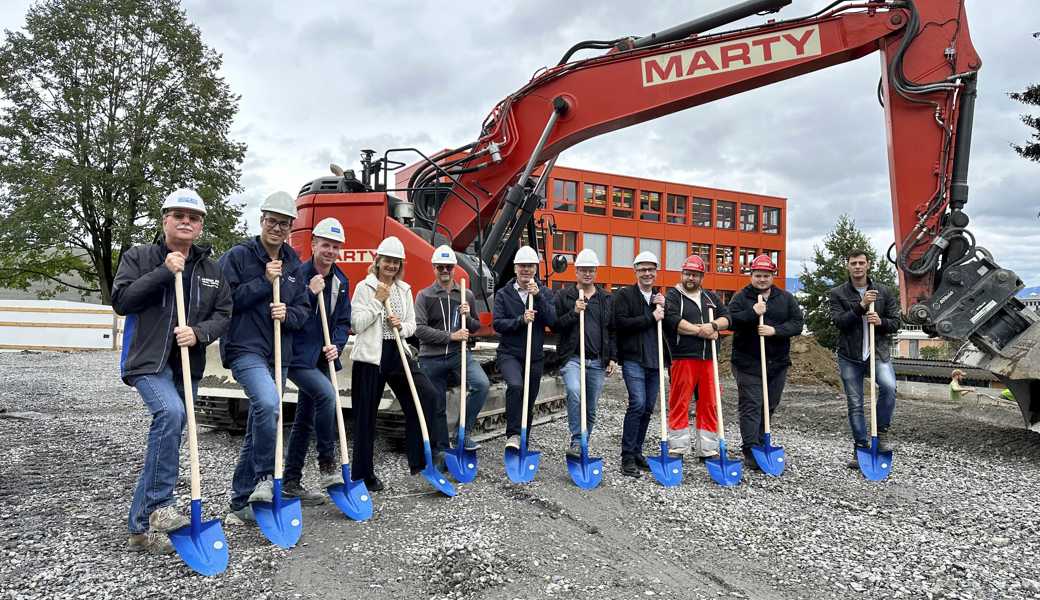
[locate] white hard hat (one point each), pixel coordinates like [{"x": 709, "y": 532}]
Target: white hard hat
[
  {"x": 330, "y": 229},
  {"x": 645, "y": 257},
  {"x": 444, "y": 255},
  {"x": 281, "y": 203},
  {"x": 391, "y": 247},
  {"x": 526, "y": 256},
  {"x": 587, "y": 258},
  {"x": 185, "y": 198}
]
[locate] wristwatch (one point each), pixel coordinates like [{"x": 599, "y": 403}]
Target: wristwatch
[{"x": 714, "y": 325}]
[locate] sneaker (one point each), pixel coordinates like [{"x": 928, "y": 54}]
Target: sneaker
[
  {"x": 438, "y": 461},
  {"x": 884, "y": 442},
  {"x": 374, "y": 484},
  {"x": 708, "y": 457},
  {"x": 641, "y": 463},
  {"x": 331, "y": 474},
  {"x": 240, "y": 516},
  {"x": 295, "y": 489},
  {"x": 750, "y": 462},
  {"x": 513, "y": 442},
  {"x": 574, "y": 451},
  {"x": 471, "y": 444},
  {"x": 678, "y": 450},
  {"x": 264, "y": 490},
  {"x": 167, "y": 519},
  {"x": 854, "y": 463},
  {"x": 629, "y": 468},
  {"x": 152, "y": 542}
]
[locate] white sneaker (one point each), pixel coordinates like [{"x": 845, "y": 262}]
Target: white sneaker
[
  {"x": 263, "y": 492},
  {"x": 167, "y": 519},
  {"x": 513, "y": 442},
  {"x": 330, "y": 475}
]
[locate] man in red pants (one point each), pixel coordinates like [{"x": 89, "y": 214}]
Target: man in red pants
[{"x": 689, "y": 333}]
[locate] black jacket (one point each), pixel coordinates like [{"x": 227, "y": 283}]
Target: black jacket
[
  {"x": 635, "y": 327},
  {"x": 567, "y": 326},
  {"x": 782, "y": 313},
  {"x": 508, "y": 321},
  {"x": 678, "y": 306},
  {"x": 308, "y": 342},
  {"x": 143, "y": 291},
  {"x": 847, "y": 314}
]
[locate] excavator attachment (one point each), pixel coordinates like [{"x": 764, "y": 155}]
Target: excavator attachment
[{"x": 1017, "y": 365}]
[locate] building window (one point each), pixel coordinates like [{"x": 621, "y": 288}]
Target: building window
[
  {"x": 647, "y": 245},
  {"x": 540, "y": 236},
  {"x": 770, "y": 219},
  {"x": 565, "y": 195},
  {"x": 774, "y": 255},
  {"x": 595, "y": 199},
  {"x": 675, "y": 255},
  {"x": 749, "y": 217},
  {"x": 746, "y": 256},
  {"x": 622, "y": 251},
  {"x": 649, "y": 206},
  {"x": 597, "y": 242},
  {"x": 703, "y": 251},
  {"x": 724, "y": 295},
  {"x": 725, "y": 212},
  {"x": 723, "y": 258},
  {"x": 559, "y": 285},
  {"x": 565, "y": 243},
  {"x": 676, "y": 209},
  {"x": 702, "y": 212},
  {"x": 622, "y": 203}
]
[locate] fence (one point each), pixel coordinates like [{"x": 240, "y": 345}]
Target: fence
[{"x": 58, "y": 325}]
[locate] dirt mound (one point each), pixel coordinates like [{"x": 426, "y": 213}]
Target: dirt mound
[{"x": 811, "y": 363}]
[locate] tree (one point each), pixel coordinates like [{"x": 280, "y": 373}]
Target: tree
[
  {"x": 105, "y": 107},
  {"x": 830, "y": 269},
  {"x": 1031, "y": 96}
]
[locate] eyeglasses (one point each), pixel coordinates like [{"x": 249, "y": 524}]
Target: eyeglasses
[
  {"x": 276, "y": 224},
  {"x": 646, "y": 270},
  {"x": 193, "y": 218},
  {"x": 445, "y": 267}
]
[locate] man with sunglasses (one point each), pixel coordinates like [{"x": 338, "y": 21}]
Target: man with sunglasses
[
  {"x": 251, "y": 268},
  {"x": 144, "y": 292}
]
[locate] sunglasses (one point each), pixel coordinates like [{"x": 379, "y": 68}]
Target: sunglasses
[{"x": 445, "y": 267}]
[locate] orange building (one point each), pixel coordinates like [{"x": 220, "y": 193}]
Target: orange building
[{"x": 620, "y": 216}]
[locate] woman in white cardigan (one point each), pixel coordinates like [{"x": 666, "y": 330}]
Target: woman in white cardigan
[{"x": 383, "y": 301}]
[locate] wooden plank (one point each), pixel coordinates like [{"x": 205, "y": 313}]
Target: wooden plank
[
  {"x": 107, "y": 326},
  {"x": 42, "y": 309}
]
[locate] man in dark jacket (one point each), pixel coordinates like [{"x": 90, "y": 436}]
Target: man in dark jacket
[
  {"x": 637, "y": 310},
  {"x": 144, "y": 292},
  {"x": 850, "y": 311},
  {"x": 251, "y": 268},
  {"x": 783, "y": 320},
  {"x": 689, "y": 333},
  {"x": 316, "y": 400},
  {"x": 600, "y": 349},
  {"x": 510, "y": 319}
]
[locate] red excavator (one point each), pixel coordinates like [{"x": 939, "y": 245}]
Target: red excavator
[{"x": 480, "y": 197}]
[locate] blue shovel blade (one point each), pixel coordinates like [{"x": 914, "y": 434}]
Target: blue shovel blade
[
  {"x": 522, "y": 465},
  {"x": 461, "y": 463},
  {"x": 352, "y": 497},
  {"x": 438, "y": 480},
  {"x": 724, "y": 470},
  {"x": 667, "y": 469},
  {"x": 585, "y": 472},
  {"x": 874, "y": 464},
  {"x": 202, "y": 544},
  {"x": 281, "y": 521},
  {"x": 771, "y": 459}
]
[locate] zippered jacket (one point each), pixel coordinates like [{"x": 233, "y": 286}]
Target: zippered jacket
[
  {"x": 437, "y": 317},
  {"x": 678, "y": 305},
  {"x": 567, "y": 326},
  {"x": 508, "y": 320},
  {"x": 847, "y": 314},
  {"x": 782, "y": 313},
  {"x": 308, "y": 342},
  {"x": 367, "y": 315}
]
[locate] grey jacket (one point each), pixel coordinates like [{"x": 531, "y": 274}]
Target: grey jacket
[{"x": 437, "y": 316}]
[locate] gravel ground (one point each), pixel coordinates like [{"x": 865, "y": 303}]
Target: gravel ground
[{"x": 957, "y": 519}]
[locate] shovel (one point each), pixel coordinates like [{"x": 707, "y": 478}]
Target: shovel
[
  {"x": 281, "y": 519},
  {"x": 585, "y": 472},
  {"x": 770, "y": 458},
  {"x": 873, "y": 463},
  {"x": 462, "y": 463},
  {"x": 437, "y": 479},
  {"x": 724, "y": 470},
  {"x": 351, "y": 496},
  {"x": 201, "y": 545},
  {"x": 522, "y": 465},
  {"x": 667, "y": 469}
]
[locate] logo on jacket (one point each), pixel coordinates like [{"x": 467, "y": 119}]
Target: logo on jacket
[{"x": 208, "y": 282}]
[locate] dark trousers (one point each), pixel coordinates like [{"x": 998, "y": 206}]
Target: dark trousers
[
  {"x": 749, "y": 403},
  {"x": 642, "y": 384},
  {"x": 512, "y": 370},
  {"x": 366, "y": 390}
]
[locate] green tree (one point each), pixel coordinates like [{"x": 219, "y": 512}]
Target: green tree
[
  {"x": 1030, "y": 149},
  {"x": 830, "y": 268},
  {"x": 105, "y": 107}
]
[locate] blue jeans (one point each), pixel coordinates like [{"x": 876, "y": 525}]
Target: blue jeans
[
  {"x": 256, "y": 459},
  {"x": 642, "y": 384},
  {"x": 571, "y": 373},
  {"x": 853, "y": 372},
  {"x": 163, "y": 395},
  {"x": 439, "y": 370},
  {"x": 315, "y": 412}
]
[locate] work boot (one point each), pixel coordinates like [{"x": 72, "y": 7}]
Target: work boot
[
  {"x": 513, "y": 442},
  {"x": 629, "y": 468},
  {"x": 152, "y": 542},
  {"x": 295, "y": 489},
  {"x": 331, "y": 474},
  {"x": 750, "y": 462},
  {"x": 374, "y": 484},
  {"x": 884, "y": 442},
  {"x": 641, "y": 463},
  {"x": 264, "y": 490},
  {"x": 574, "y": 451},
  {"x": 854, "y": 463},
  {"x": 240, "y": 516},
  {"x": 678, "y": 450},
  {"x": 167, "y": 519},
  {"x": 438, "y": 460}
]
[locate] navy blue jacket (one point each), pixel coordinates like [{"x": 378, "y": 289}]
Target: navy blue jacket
[
  {"x": 509, "y": 322},
  {"x": 308, "y": 342},
  {"x": 252, "y": 330}
]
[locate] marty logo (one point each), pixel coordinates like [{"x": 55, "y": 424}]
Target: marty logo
[
  {"x": 779, "y": 46},
  {"x": 357, "y": 255}
]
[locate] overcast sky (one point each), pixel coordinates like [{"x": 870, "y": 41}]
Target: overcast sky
[{"x": 321, "y": 80}]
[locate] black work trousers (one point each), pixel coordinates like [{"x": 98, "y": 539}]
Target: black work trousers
[
  {"x": 749, "y": 403},
  {"x": 512, "y": 370},
  {"x": 366, "y": 389}
]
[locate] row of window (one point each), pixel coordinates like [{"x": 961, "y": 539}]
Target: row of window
[
  {"x": 724, "y": 295},
  {"x": 678, "y": 209},
  {"x": 623, "y": 250}
]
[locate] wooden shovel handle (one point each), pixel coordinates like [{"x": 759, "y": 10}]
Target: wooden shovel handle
[
  {"x": 322, "y": 313},
  {"x": 189, "y": 396},
  {"x": 462, "y": 368},
  {"x": 715, "y": 379},
  {"x": 873, "y": 381},
  {"x": 765, "y": 378},
  {"x": 527, "y": 364},
  {"x": 408, "y": 376},
  {"x": 581, "y": 359},
  {"x": 277, "y": 297}
]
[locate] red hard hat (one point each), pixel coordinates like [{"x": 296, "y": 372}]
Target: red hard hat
[
  {"x": 693, "y": 263},
  {"x": 762, "y": 262}
]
